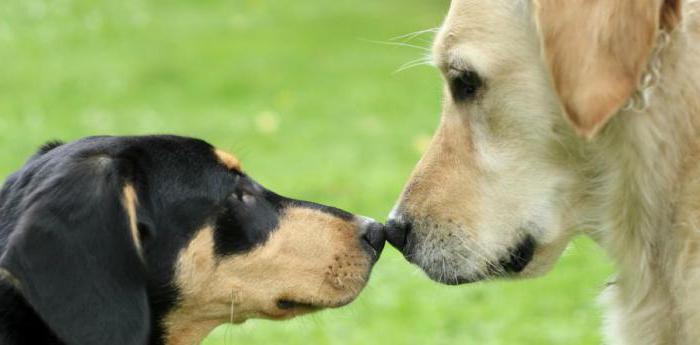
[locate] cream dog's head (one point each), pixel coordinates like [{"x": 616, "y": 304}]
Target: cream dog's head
[{"x": 526, "y": 82}]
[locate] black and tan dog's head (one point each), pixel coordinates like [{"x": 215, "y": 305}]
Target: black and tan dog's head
[{"x": 135, "y": 240}]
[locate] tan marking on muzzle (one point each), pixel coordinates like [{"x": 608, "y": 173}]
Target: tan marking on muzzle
[
  {"x": 312, "y": 257},
  {"x": 229, "y": 160},
  {"x": 130, "y": 202}
]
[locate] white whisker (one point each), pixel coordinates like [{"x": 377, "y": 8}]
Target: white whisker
[
  {"x": 398, "y": 44},
  {"x": 227, "y": 334},
  {"x": 413, "y": 35},
  {"x": 424, "y": 61}
]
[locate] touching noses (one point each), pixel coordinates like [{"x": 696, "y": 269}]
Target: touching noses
[
  {"x": 397, "y": 231},
  {"x": 373, "y": 234}
]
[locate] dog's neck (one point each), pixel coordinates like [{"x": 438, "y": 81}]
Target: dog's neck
[
  {"x": 649, "y": 176},
  {"x": 19, "y": 324}
]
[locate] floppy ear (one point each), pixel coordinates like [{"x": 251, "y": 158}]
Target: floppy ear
[
  {"x": 74, "y": 254},
  {"x": 597, "y": 51}
]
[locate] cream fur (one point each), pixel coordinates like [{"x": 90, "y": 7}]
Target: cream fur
[{"x": 512, "y": 164}]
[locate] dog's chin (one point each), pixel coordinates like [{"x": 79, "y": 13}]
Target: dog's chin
[{"x": 454, "y": 271}]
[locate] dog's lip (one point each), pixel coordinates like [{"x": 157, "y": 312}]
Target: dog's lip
[
  {"x": 520, "y": 256},
  {"x": 460, "y": 280},
  {"x": 284, "y": 309},
  {"x": 292, "y": 304},
  {"x": 514, "y": 263},
  {"x": 289, "y": 304}
]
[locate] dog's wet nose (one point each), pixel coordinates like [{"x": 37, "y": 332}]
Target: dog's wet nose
[
  {"x": 374, "y": 235},
  {"x": 397, "y": 233}
]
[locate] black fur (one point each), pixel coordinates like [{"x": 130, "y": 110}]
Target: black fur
[
  {"x": 65, "y": 235},
  {"x": 48, "y": 146}
]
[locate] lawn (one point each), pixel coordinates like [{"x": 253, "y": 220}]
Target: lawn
[{"x": 306, "y": 93}]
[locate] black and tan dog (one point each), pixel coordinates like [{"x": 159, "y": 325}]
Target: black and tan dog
[{"x": 159, "y": 239}]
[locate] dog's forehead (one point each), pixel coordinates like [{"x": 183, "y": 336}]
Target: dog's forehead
[
  {"x": 186, "y": 155},
  {"x": 476, "y": 34},
  {"x": 484, "y": 18}
]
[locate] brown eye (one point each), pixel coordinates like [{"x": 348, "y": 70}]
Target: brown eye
[
  {"x": 465, "y": 86},
  {"x": 245, "y": 196},
  {"x": 244, "y": 191}
]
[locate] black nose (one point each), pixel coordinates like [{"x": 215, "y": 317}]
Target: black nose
[
  {"x": 375, "y": 237},
  {"x": 397, "y": 233}
]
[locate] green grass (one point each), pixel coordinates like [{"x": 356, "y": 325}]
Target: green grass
[{"x": 298, "y": 89}]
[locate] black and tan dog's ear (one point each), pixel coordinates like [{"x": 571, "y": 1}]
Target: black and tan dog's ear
[
  {"x": 598, "y": 50},
  {"x": 76, "y": 256}
]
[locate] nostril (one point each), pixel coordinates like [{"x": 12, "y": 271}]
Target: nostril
[
  {"x": 397, "y": 233},
  {"x": 374, "y": 235}
]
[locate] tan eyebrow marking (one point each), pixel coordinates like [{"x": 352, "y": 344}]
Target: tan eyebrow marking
[
  {"x": 130, "y": 202},
  {"x": 229, "y": 160}
]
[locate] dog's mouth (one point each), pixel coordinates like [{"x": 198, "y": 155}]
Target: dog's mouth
[
  {"x": 286, "y": 308},
  {"x": 511, "y": 264},
  {"x": 520, "y": 256},
  {"x": 291, "y": 304},
  {"x": 286, "y": 304}
]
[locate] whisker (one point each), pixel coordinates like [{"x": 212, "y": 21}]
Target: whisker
[
  {"x": 424, "y": 61},
  {"x": 479, "y": 251},
  {"x": 443, "y": 273},
  {"x": 315, "y": 298},
  {"x": 398, "y": 44},
  {"x": 227, "y": 334},
  {"x": 428, "y": 251},
  {"x": 495, "y": 266},
  {"x": 413, "y": 35}
]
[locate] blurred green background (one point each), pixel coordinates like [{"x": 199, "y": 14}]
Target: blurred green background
[{"x": 310, "y": 98}]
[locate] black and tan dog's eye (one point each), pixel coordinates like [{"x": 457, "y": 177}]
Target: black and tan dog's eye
[
  {"x": 245, "y": 196},
  {"x": 465, "y": 85},
  {"x": 245, "y": 191}
]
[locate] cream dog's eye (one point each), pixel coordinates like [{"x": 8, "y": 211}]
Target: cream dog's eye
[{"x": 465, "y": 85}]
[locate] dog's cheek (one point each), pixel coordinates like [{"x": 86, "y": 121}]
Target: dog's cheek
[
  {"x": 215, "y": 289},
  {"x": 203, "y": 296}
]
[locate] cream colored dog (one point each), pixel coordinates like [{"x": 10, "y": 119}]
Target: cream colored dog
[{"x": 563, "y": 118}]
